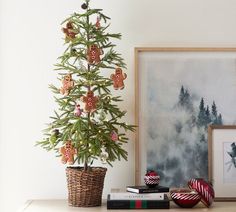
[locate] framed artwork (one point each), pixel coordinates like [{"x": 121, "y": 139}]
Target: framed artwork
[
  {"x": 222, "y": 161},
  {"x": 179, "y": 92}
]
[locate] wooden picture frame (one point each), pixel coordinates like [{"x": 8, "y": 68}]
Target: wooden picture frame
[
  {"x": 145, "y": 59},
  {"x": 222, "y": 164}
]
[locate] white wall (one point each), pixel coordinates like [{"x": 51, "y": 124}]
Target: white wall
[{"x": 30, "y": 42}]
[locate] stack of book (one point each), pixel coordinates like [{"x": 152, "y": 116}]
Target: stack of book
[{"x": 139, "y": 197}]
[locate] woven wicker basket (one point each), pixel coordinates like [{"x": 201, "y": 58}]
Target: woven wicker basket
[{"x": 85, "y": 187}]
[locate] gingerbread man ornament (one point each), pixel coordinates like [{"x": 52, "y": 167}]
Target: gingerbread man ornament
[
  {"x": 68, "y": 152},
  {"x": 90, "y": 102},
  {"x": 118, "y": 79},
  {"x": 69, "y": 31},
  {"x": 67, "y": 85},
  {"x": 93, "y": 54}
]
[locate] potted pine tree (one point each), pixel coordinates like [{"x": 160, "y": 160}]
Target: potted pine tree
[{"x": 87, "y": 125}]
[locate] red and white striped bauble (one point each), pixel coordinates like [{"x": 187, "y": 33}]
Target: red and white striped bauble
[
  {"x": 204, "y": 189},
  {"x": 151, "y": 179},
  {"x": 185, "y": 198}
]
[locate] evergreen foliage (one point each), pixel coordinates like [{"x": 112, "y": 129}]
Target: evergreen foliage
[
  {"x": 204, "y": 116},
  {"x": 213, "y": 109},
  {"x": 208, "y": 115},
  {"x": 185, "y": 100},
  {"x": 219, "y": 120},
  {"x": 181, "y": 96},
  {"x": 214, "y": 113},
  {"x": 91, "y": 132}
]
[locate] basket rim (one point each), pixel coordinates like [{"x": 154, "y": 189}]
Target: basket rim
[{"x": 81, "y": 168}]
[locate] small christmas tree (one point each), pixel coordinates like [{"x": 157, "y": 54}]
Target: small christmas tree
[{"x": 87, "y": 124}]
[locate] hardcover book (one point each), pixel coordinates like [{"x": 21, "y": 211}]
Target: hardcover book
[
  {"x": 138, "y": 204},
  {"x": 145, "y": 189},
  {"x": 133, "y": 196}
]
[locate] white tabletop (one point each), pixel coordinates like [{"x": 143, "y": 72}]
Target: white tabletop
[{"x": 62, "y": 206}]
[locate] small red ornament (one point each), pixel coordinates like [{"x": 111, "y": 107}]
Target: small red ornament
[
  {"x": 98, "y": 25},
  {"x": 67, "y": 85},
  {"x": 68, "y": 152},
  {"x": 69, "y": 31},
  {"x": 151, "y": 179},
  {"x": 204, "y": 189},
  {"x": 114, "y": 136},
  {"x": 93, "y": 54},
  {"x": 78, "y": 111},
  {"x": 118, "y": 79},
  {"x": 90, "y": 102}
]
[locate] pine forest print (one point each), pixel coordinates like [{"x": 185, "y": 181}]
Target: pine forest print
[
  {"x": 182, "y": 97},
  {"x": 196, "y": 121}
]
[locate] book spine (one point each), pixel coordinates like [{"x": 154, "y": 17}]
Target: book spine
[
  {"x": 132, "y": 190},
  {"x": 137, "y": 204},
  {"x": 129, "y": 196},
  {"x": 143, "y": 191},
  {"x": 153, "y": 191}
]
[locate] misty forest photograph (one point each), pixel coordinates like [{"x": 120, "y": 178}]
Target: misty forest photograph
[{"x": 182, "y": 95}]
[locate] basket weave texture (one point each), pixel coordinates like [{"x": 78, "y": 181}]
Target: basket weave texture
[{"x": 85, "y": 187}]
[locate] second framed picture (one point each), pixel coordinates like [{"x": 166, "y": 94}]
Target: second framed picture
[
  {"x": 222, "y": 161},
  {"x": 179, "y": 92}
]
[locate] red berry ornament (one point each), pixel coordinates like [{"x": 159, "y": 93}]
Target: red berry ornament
[
  {"x": 78, "y": 111},
  {"x": 114, "y": 136},
  {"x": 151, "y": 179},
  {"x": 98, "y": 25}
]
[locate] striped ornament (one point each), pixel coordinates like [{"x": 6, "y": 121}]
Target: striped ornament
[
  {"x": 185, "y": 198},
  {"x": 204, "y": 189},
  {"x": 151, "y": 181}
]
